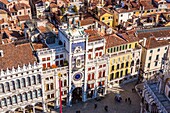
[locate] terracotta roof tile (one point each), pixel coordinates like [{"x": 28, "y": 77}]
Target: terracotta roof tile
[
  {"x": 161, "y": 33},
  {"x": 93, "y": 35},
  {"x": 23, "y": 18},
  {"x": 87, "y": 21},
  {"x": 113, "y": 40},
  {"x": 4, "y": 1},
  {"x": 153, "y": 43},
  {"x": 16, "y": 55}
]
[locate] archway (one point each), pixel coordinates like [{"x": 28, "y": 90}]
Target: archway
[
  {"x": 38, "y": 107},
  {"x": 19, "y": 110},
  {"x": 9, "y": 111},
  {"x": 77, "y": 95},
  {"x": 29, "y": 109},
  {"x": 154, "y": 108}
]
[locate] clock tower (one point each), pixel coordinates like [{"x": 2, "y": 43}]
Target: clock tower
[{"x": 75, "y": 41}]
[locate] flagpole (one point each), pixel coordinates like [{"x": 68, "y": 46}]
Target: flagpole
[{"x": 59, "y": 75}]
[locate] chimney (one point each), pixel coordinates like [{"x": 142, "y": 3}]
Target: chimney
[
  {"x": 144, "y": 41},
  {"x": 98, "y": 11}
]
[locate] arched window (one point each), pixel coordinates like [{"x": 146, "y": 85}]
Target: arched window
[
  {"x": 65, "y": 82},
  {"x": 34, "y": 94},
  {"x": 39, "y": 78},
  {"x": 39, "y": 92},
  {"x": 3, "y": 102},
  {"x": 29, "y": 81},
  {"x": 127, "y": 64},
  {"x": 117, "y": 66},
  {"x": 29, "y": 95},
  {"x": 23, "y": 84},
  {"x": 33, "y": 80},
  {"x": 19, "y": 98},
  {"x": 126, "y": 73},
  {"x": 9, "y": 101},
  {"x": 137, "y": 62},
  {"x": 132, "y": 63},
  {"x": 2, "y": 88},
  {"x": 13, "y": 85},
  {"x": 103, "y": 73},
  {"x": 24, "y": 96},
  {"x": 100, "y": 74},
  {"x": 117, "y": 74},
  {"x": 18, "y": 83},
  {"x": 122, "y": 65},
  {"x": 7, "y": 87},
  {"x": 14, "y": 99}
]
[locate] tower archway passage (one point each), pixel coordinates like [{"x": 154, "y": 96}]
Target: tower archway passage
[{"x": 77, "y": 95}]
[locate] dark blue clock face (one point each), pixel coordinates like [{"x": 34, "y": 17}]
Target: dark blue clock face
[{"x": 77, "y": 76}]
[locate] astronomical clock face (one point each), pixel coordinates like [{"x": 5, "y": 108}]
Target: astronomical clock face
[{"x": 77, "y": 77}]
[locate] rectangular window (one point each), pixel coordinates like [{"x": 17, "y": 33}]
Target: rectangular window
[
  {"x": 48, "y": 64},
  {"x": 48, "y": 58},
  {"x": 100, "y": 54},
  {"x": 158, "y": 50},
  {"x": 100, "y": 66},
  {"x": 57, "y": 63},
  {"x": 96, "y": 54},
  {"x": 114, "y": 49},
  {"x": 61, "y": 56},
  {"x": 157, "y": 57},
  {"x": 92, "y": 75},
  {"x": 112, "y": 67},
  {"x": 89, "y": 69},
  {"x": 150, "y": 58},
  {"x": 43, "y": 59},
  {"x": 93, "y": 68},
  {"x": 61, "y": 62},
  {"x": 148, "y": 65},
  {"x": 89, "y": 76},
  {"x": 156, "y": 63},
  {"x": 89, "y": 56},
  {"x": 44, "y": 65},
  {"x": 57, "y": 57},
  {"x": 111, "y": 76},
  {"x": 92, "y": 86}
]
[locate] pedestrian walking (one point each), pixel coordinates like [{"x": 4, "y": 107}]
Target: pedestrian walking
[
  {"x": 130, "y": 102},
  {"x": 106, "y": 108},
  {"x": 95, "y": 106},
  {"x": 128, "y": 99},
  {"x": 78, "y": 111},
  {"x": 125, "y": 99}
]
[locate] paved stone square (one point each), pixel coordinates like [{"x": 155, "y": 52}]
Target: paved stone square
[{"x": 113, "y": 106}]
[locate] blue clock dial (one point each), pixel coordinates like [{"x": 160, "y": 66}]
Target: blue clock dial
[{"x": 77, "y": 76}]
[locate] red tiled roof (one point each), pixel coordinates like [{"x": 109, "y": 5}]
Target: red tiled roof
[
  {"x": 23, "y": 18},
  {"x": 4, "y": 1},
  {"x": 93, "y": 35},
  {"x": 15, "y": 55},
  {"x": 153, "y": 43}
]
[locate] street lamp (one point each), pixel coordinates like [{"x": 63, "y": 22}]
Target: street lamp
[{"x": 59, "y": 75}]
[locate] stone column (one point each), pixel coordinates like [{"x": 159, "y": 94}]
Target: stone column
[
  {"x": 96, "y": 79},
  {"x": 43, "y": 97},
  {"x": 24, "y": 110},
  {"x": 85, "y": 73},
  {"x": 56, "y": 92},
  {"x": 69, "y": 74},
  {"x": 33, "y": 108}
]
